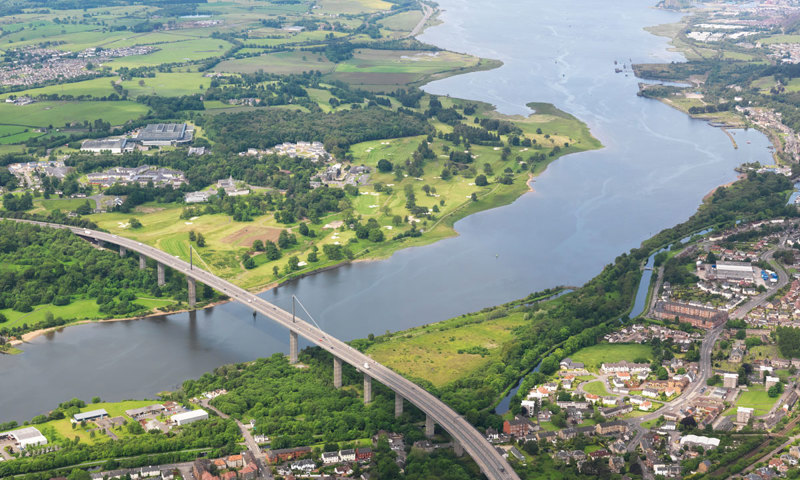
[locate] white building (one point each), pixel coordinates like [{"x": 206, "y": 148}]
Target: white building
[
  {"x": 705, "y": 442},
  {"x": 113, "y": 145},
  {"x": 26, "y": 437},
  {"x": 189, "y": 417},
  {"x": 330, "y": 457}
]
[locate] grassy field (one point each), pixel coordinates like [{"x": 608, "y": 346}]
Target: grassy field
[
  {"x": 403, "y": 22},
  {"x": 433, "y": 354},
  {"x": 756, "y": 398},
  {"x": 596, "y": 387},
  {"x": 283, "y": 63},
  {"x": 596, "y": 355},
  {"x": 56, "y": 431},
  {"x": 228, "y": 240},
  {"x": 42, "y": 114},
  {"x": 83, "y": 309},
  {"x": 164, "y": 84}
]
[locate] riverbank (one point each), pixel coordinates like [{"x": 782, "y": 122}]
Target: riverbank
[{"x": 29, "y": 336}]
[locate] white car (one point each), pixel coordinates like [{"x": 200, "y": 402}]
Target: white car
[{"x": 366, "y": 365}]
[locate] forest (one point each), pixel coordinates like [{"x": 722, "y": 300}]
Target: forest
[
  {"x": 219, "y": 436},
  {"x": 299, "y": 406},
  {"x": 51, "y": 266},
  {"x": 338, "y": 130}
]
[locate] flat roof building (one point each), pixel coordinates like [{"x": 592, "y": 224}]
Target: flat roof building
[
  {"x": 164, "y": 134},
  {"x": 26, "y": 437},
  {"x": 189, "y": 417},
  {"x": 91, "y": 415},
  {"x": 113, "y": 145}
]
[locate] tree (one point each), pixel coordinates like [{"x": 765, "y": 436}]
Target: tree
[
  {"x": 662, "y": 373},
  {"x": 84, "y": 209},
  {"x": 385, "y": 165},
  {"x": 249, "y": 263},
  {"x": 192, "y": 236},
  {"x": 201, "y": 240},
  {"x": 271, "y": 250},
  {"x": 258, "y": 246},
  {"x": 481, "y": 181},
  {"x": 376, "y": 235},
  {"x": 294, "y": 263},
  {"x": 134, "y": 223}
]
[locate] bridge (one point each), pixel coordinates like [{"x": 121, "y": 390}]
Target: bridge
[{"x": 465, "y": 436}]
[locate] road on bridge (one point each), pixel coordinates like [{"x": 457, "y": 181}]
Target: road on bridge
[{"x": 491, "y": 463}]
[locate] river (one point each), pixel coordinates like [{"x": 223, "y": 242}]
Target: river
[{"x": 585, "y": 210}]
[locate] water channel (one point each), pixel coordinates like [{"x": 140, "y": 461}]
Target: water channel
[{"x": 585, "y": 210}]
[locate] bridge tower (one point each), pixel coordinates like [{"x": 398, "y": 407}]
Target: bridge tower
[
  {"x": 337, "y": 372},
  {"x": 367, "y": 389},
  {"x": 292, "y": 347},
  {"x": 192, "y": 287},
  {"x": 429, "y": 426}
]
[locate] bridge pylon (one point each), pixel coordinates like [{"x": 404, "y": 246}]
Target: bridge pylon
[
  {"x": 398, "y": 404},
  {"x": 161, "y": 274},
  {"x": 367, "y": 389},
  {"x": 142, "y": 262},
  {"x": 429, "y": 426},
  {"x": 192, "y": 287},
  {"x": 337, "y": 372},
  {"x": 292, "y": 347}
]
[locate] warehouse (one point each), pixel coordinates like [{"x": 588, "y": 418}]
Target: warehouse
[
  {"x": 88, "y": 416},
  {"x": 189, "y": 417},
  {"x": 112, "y": 145},
  {"x": 25, "y": 437},
  {"x": 734, "y": 271},
  {"x": 164, "y": 134}
]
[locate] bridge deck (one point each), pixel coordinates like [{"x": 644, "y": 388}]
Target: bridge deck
[{"x": 492, "y": 464}]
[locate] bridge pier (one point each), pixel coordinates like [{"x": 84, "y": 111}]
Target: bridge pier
[
  {"x": 337, "y": 372},
  {"x": 142, "y": 262},
  {"x": 292, "y": 347},
  {"x": 429, "y": 426},
  {"x": 398, "y": 404},
  {"x": 367, "y": 389},
  {"x": 458, "y": 448},
  {"x": 192, "y": 287},
  {"x": 122, "y": 251},
  {"x": 160, "y": 270}
]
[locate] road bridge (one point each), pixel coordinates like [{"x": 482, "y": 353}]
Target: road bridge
[{"x": 465, "y": 436}]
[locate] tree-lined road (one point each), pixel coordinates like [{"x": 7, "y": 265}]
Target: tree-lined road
[{"x": 491, "y": 463}]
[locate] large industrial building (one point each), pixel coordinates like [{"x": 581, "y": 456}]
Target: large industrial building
[
  {"x": 189, "y": 417},
  {"x": 113, "y": 145},
  {"x": 25, "y": 437},
  {"x": 735, "y": 271},
  {"x": 164, "y": 134}
]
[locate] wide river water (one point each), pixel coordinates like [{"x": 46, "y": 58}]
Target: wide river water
[{"x": 585, "y": 210}]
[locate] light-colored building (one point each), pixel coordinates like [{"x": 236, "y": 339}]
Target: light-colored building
[
  {"x": 26, "y": 437},
  {"x": 743, "y": 414},
  {"x": 770, "y": 381},
  {"x": 112, "y": 145},
  {"x": 189, "y": 417},
  {"x": 730, "y": 380},
  {"x": 88, "y": 416}
]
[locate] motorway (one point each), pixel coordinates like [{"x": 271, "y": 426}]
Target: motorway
[{"x": 491, "y": 463}]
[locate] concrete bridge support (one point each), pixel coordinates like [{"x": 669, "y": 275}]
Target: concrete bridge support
[
  {"x": 142, "y": 262},
  {"x": 398, "y": 404},
  {"x": 292, "y": 347},
  {"x": 458, "y": 448},
  {"x": 337, "y": 372},
  {"x": 429, "y": 426},
  {"x": 160, "y": 270},
  {"x": 122, "y": 251},
  {"x": 367, "y": 389},
  {"x": 192, "y": 287}
]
